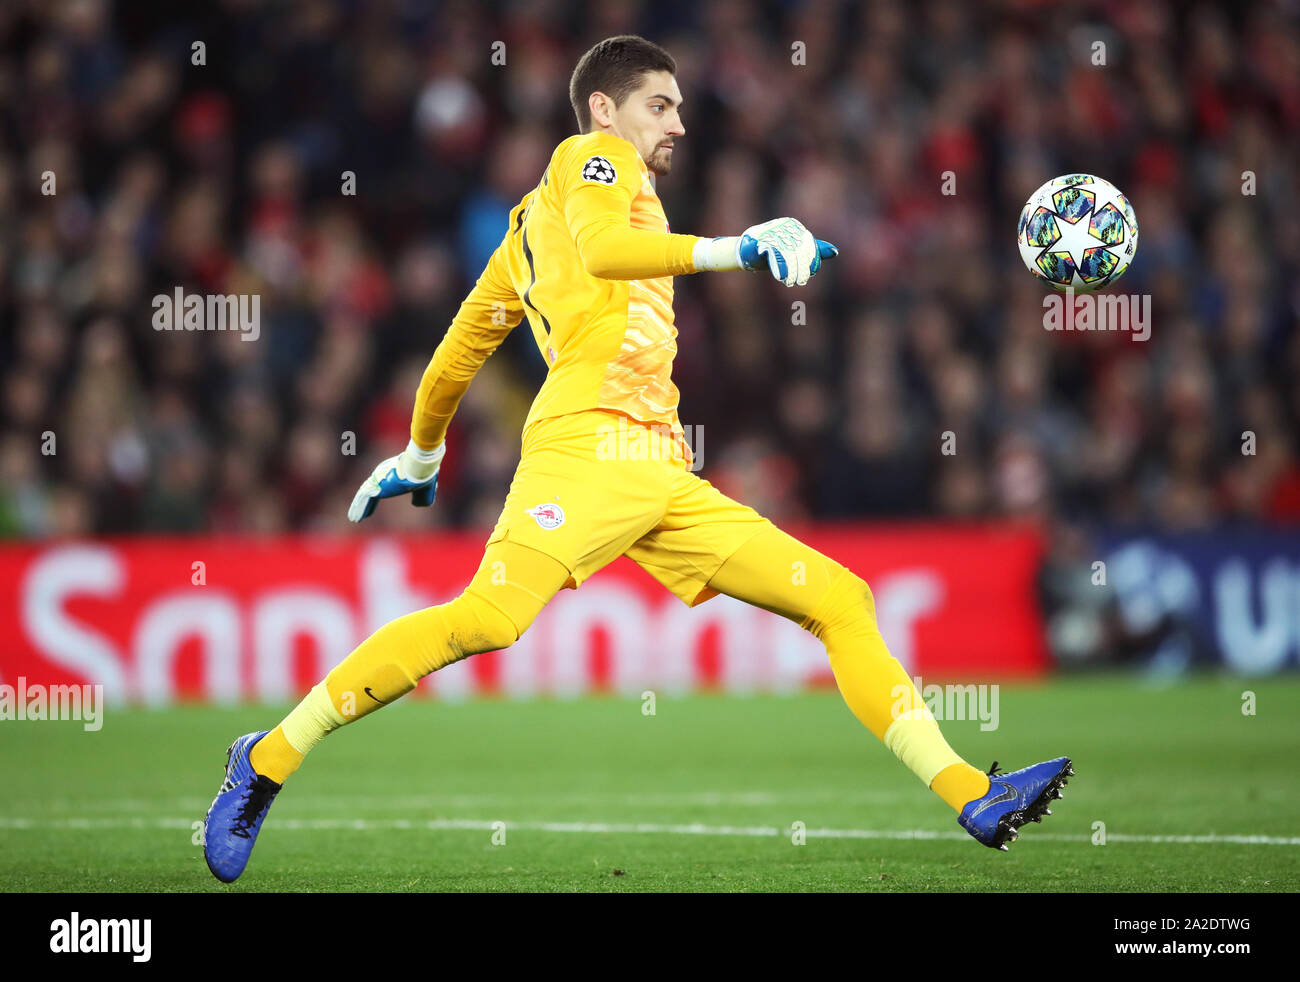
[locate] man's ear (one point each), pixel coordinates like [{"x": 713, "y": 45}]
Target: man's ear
[{"x": 601, "y": 107}]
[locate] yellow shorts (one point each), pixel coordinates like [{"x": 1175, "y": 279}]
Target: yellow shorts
[{"x": 596, "y": 485}]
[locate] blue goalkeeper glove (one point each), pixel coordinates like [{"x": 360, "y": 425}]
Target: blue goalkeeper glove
[
  {"x": 792, "y": 254},
  {"x": 783, "y": 245},
  {"x": 413, "y": 471}
]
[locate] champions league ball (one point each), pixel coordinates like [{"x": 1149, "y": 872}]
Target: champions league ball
[{"x": 1078, "y": 232}]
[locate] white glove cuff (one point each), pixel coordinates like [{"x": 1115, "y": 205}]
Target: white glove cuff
[
  {"x": 420, "y": 464},
  {"x": 721, "y": 253}
]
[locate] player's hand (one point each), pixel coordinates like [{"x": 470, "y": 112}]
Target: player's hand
[
  {"x": 791, "y": 252},
  {"x": 403, "y": 474},
  {"x": 824, "y": 251}
]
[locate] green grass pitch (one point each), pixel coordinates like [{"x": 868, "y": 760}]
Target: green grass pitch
[{"x": 702, "y": 796}]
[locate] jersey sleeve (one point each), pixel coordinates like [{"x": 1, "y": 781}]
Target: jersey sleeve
[
  {"x": 490, "y": 312},
  {"x": 599, "y": 183}
]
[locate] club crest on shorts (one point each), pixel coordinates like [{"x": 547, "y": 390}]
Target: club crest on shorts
[
  {"x": 548, "y": 515},
  {"x": 600, "y": 170}
]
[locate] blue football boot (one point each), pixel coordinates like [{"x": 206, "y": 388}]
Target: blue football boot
[
  {"x": 1014, "y": 799},
  {"x": 236, "y": 814}
]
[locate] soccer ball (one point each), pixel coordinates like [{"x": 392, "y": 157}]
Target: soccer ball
[{"x": 1079, "y": 232}]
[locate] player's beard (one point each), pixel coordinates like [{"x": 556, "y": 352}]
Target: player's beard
[{"x": 660, "y": 162}]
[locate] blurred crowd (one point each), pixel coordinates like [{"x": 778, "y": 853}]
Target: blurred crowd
[{"x": 211, "y": 149}]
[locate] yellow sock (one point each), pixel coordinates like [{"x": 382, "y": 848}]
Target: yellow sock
[
  {"x": 278, "y": 754},
  {"x": 960, "y": 783},
  {"x": 873, "y": 683},
  {"x": 491, "y": 614},
  {"x": 842, "y": 614},
  {"x": 274, "y": 756}
]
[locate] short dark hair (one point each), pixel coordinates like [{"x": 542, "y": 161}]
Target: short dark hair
[{"x": 615, "y": 66}]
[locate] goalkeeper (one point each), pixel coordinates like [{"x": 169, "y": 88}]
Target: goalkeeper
[{"x": 588, "y": 259}]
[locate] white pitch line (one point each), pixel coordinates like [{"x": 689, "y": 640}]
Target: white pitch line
[{"x": 631, "y": 828}]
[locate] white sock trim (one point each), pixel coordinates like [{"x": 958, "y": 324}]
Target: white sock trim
[
  {"x": 311, "y": 719},
  {"x": 923, "y": 757}
]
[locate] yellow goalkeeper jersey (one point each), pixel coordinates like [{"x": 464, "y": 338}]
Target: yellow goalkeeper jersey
[{"x": 588, "y": 258}]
